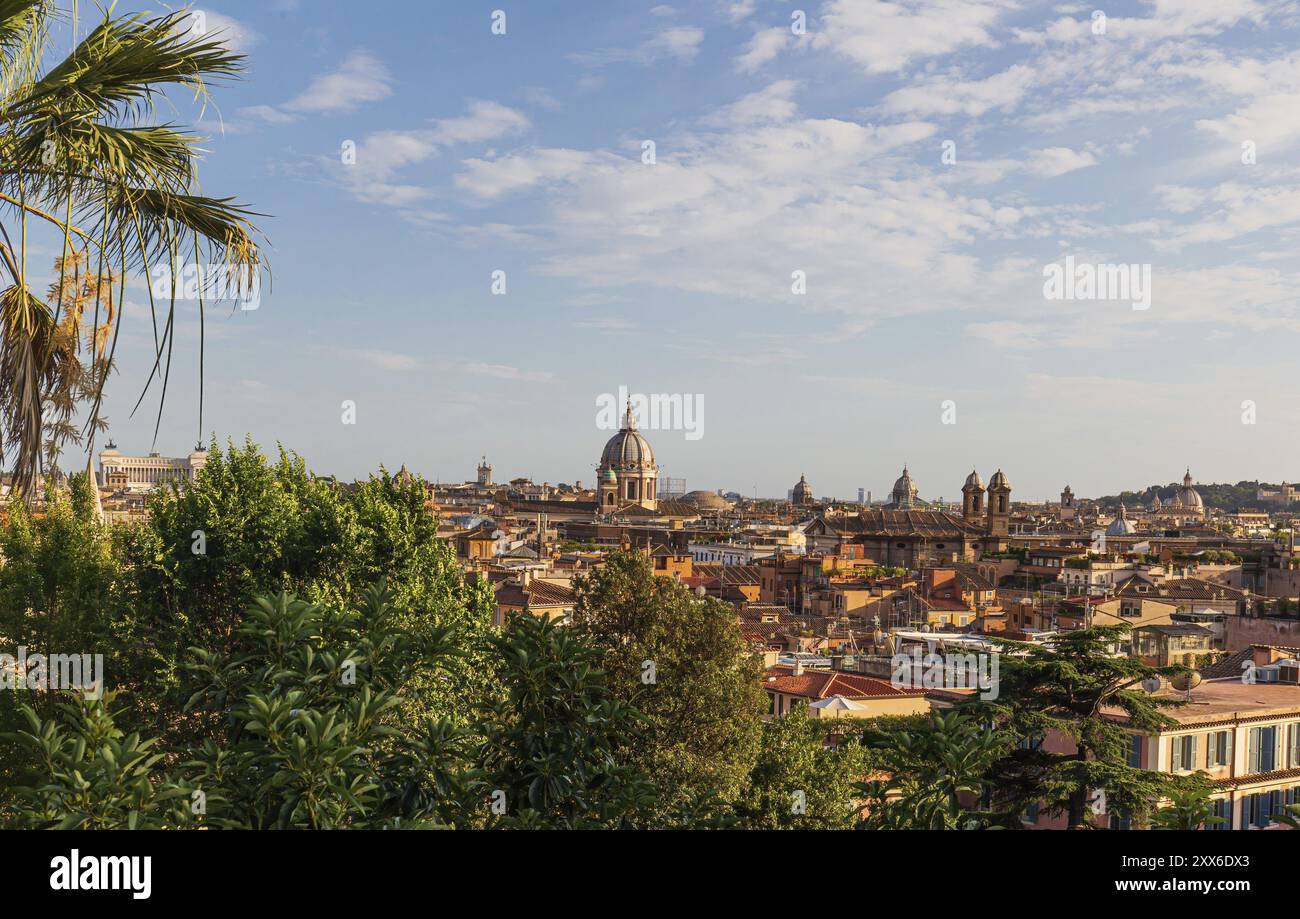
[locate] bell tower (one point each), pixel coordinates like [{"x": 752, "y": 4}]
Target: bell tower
[
  {"x": 999, "y": 504},
  {"x": 972, "y": 498}
]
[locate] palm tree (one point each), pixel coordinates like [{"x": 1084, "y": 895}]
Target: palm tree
[{"x": 83, "y": 157}]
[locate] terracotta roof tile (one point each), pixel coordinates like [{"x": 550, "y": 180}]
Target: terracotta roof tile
[{"x": 822, "y": 684}]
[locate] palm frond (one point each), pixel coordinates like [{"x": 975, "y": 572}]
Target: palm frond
[{"x": 124, "y": 64}]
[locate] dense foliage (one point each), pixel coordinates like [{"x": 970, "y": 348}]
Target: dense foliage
[
  {"x": 1065, "y": 691},
  {"x": 282, "y": 651}
]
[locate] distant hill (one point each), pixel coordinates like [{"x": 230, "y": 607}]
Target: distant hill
[{"x": 1221, "y": 497}]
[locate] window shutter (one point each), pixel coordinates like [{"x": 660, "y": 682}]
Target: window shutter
[{"x": 1254, "y": 750}]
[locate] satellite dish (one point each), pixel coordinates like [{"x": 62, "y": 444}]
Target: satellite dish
[
  {"x": 699, "y": 591},
  {"x": 1186, "y": 681},
  {"x": 1152, "y": 684}
]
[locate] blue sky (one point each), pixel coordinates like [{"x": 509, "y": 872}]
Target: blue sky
[{"x": 775, "y": 152}]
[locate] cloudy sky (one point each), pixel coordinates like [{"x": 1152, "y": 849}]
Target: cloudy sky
[{"x": 920, "y": 162}]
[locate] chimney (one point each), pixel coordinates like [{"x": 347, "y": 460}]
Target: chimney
[{"x": 798, "y": 666}]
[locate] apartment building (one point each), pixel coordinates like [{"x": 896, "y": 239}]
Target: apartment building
[{"x": 1244, "y": 735}]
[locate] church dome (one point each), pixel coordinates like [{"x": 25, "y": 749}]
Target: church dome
[
  {"x": 904, "y": 490},
  {"x": 999, "y": 480},
  {"x": 802, "y": 491},
  {"x": 1121, "y": 525},
  {"x": 706, "y": 501},
  {"x": 1188, "y": 496},
  {"x": 974, "y": 481},
  {"x": 627, "y": 448}
]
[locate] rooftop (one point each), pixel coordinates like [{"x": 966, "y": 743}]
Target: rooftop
[
  {"x": 1228, "y": 700},
  {"x": 822, "y": 684}
]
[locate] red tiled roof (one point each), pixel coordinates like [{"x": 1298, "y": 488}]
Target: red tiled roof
[
  {"x": 542, "y": 593},
  {"x": 538, "y": 593},
  {"x": 822, "y": 684}
]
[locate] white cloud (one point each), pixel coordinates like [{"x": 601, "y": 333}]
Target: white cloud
[
  {"x": 266, "y": 113},
  {"x": 232, "y": 33},
  {"x": 485, "y": 121},
  {"x": 764, "y": 47},
  {"x": 1227, "y": 211},
  {"x": 773, "y": 103},
  {"x": 1055, "y": 161},
  {"x": 886, "y": 35},
  {"x": 676, "y": 42},
  {"x": 609, "y": 325},
  {"x": 361, "y": 77},
  {"x": 387, "y": 360},
  {"x": 739, "y": 10},
  {"x": 506, "y": 372},
  {"x": 495, "y": 177},
  {"x": 954, "y": 94},
  {"x": 383, "y": 154}
]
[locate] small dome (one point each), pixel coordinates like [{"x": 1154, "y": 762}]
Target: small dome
[
  {"x": 999, "y": 480},
  {"x": 609, "y": 475},
  {"x": 802, "y": 491},
  {"x": 1188, "y": 496},
  {"x": 904, "y": 488},
  {"x": 1121, "y": 525},
  {"x": 974, "y": 481},
  {"x": 706, "y": 501}
]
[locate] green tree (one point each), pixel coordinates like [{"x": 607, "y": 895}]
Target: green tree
[
  {"x": 89, "y": 775},
  {"x": 302, "y": 729},
  {"x": 558, "y": 744},
  {"x": 1070, "y": 688},
  {"x": 304, "y": 725},
  {"x": 1190, "y": 807},
  {"x": 681, "y": 660},
  {"x": 798, "y": 781},
  {"x": 935, "y": 773},
  {"x": 264, "y": 527}
]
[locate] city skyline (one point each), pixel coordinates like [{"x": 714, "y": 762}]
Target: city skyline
[{"x": 921, "y": 165}]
